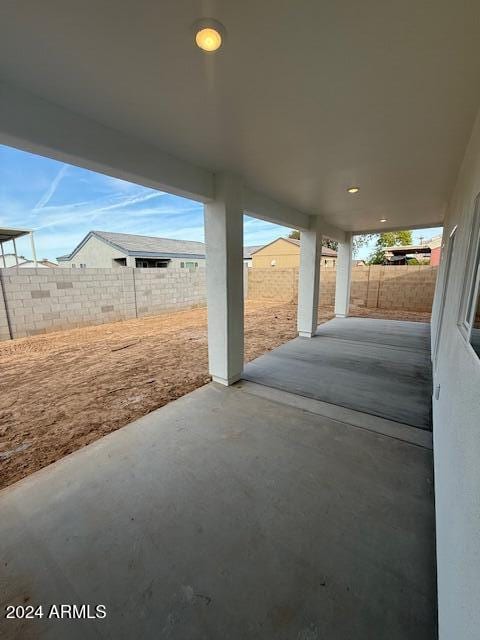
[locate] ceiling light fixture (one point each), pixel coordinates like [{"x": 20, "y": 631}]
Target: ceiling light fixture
[
  {"x": 383, "y": 219},
  {"x": 353, "y": 189},
  {"x": 209, "y": 34}
]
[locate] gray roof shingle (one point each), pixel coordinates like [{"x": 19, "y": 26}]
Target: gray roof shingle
[
  {"x": 247, "y": 251},
  {"x": 135, "y": 244}
]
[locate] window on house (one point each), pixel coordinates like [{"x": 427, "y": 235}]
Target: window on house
[
  {"x": 469, "y": 320},
  {"x": 82, "y": 266},
  {"x": 73, "y": 266},
  {"x": 151, "y": 263},
  {"x": 182, "y": 265},
  {"x": 190, "y": 265}
]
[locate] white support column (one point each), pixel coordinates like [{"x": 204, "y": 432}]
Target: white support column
[
  {"x": 309, "y": 282},
  {"x": 344, "y": 277},
  {"x": 34, "y": 253},
  {"x": 224, "y": 244},
  {"x": 15, "y": 251}
]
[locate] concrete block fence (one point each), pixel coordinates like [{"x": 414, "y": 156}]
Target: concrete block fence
[
  {"x": 35, "y": 301},
  {"x": 404, "y": 288}
]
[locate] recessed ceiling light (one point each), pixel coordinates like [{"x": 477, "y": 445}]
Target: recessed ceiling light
[
  {"x": 383, "y": 219},
  {"x": 209, "y": 34},
  {"x": 353, "y": 189}
]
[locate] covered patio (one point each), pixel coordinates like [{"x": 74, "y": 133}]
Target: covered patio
[
  {"x": 230, "y": 514},
  {"x": 293, "y": 504},
  {"x": 247, "y": 510}
]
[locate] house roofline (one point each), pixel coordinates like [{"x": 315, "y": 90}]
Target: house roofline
[
  {"x": 296, "y": 243},
  {"x": 157, "y": 254},
  {"x": 126, "y": 252},
  {"x": 90, "y": 234}
]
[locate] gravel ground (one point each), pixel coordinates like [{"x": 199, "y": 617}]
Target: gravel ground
[{"x": 63, "y": 390}]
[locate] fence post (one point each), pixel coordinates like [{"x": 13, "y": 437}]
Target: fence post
[{"x": 6, "y": 332}]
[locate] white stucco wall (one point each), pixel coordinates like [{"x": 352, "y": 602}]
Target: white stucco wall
[{"x": 456, "y": 429}]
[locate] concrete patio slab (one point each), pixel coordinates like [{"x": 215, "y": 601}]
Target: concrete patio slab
[
  {"x": 419, "y": 437},
  {"x": 376, "y": 367},
  {"x": 393, "y": 333},
  {"x": 225, "y": 515}
]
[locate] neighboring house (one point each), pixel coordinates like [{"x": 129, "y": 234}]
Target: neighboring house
[
  {"x": 101, "y": 249},
  {"x": 398, "y": 255},
  {"x": 247, "y": 254},
  {"x": 427, "y": 252},
  {"x": 285, "y": 252},
  {"x": 9, "y": 261},
  {"x": 435, "y": 250}
]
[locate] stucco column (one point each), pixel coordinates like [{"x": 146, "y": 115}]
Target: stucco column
[
  {"x": 344, "y": 277},
  {"x": 224, "y": 250},
  {"x": 309, "y": 282}
]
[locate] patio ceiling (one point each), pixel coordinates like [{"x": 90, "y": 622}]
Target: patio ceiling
[{"x": 304, "y": 99}]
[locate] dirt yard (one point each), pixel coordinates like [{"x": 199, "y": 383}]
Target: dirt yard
[{"x": 63, "y": 390}]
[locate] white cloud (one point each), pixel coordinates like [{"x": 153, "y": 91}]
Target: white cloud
[
  {"x": 89, "y": 211},
  {"x": 46, "y": 197}
]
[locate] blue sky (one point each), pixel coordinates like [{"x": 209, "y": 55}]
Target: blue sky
[{"x": 62, "y": 203}]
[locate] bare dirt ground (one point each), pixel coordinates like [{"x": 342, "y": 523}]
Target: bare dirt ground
[{"x": 63, "y": 390}]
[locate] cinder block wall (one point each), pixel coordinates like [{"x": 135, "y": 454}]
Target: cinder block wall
[
  {"x": 159, "y": 290},
  {"x": 43, "y": 300},
  {"x": 408, "y": 288},
  {"x": 276, "y": 283}
]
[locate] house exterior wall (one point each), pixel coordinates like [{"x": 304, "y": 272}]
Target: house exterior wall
[
  {"x": 97, "y": 254},
  {"x": 435, "y": 256},
  {"x": 456, "y": 425},
  {"x": 176, "y": 263},
  {"x": 408, "y": 288},
  {"x": 43, "y": 300},
  {"x": 286, "y": 255}
]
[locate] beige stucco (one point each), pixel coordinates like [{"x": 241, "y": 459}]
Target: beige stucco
[{"x": 283, "y": 254}]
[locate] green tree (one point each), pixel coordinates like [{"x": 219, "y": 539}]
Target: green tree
[
  {"x": 388, "y": 239},
  {"x": 361, "y": 241}
]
